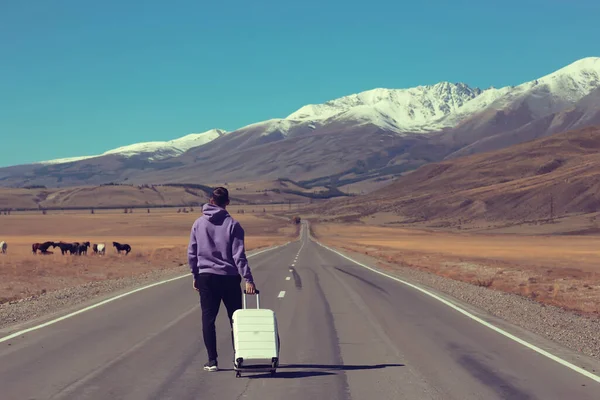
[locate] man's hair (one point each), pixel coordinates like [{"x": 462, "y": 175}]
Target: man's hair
[{"x": 220, "y": 196}]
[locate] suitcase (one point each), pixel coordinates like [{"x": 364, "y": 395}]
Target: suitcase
[{"x": 255, "y": 339}]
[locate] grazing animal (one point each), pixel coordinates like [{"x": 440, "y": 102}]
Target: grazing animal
[
  {"x": 42, "y": 247},
  {"x": 82, "y": 248},
  {"x": 122, "y": 247},
  {"x": 101, "y": 248},
  {"x": 66, "y": 247},
  {"x": 3, "y": 247},
  {"x": 95, "y": 248}
]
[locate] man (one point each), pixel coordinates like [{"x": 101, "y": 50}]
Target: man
[{"x": 217, "y": 259}]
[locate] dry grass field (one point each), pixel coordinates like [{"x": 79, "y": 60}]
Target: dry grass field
[
  {"x": 109, "y": 196},
  {"x": 558, "y": 270},
  {"x": 158, "y": 241}
]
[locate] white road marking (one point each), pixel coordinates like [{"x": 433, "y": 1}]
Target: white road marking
[
  {"x": 287, "y": 278},
  {"x": 301, "y": 247},
  {"x": 281, "y": 294},
  {"x": 475, "y": 318},
  {"x": 101, "y": 303},
  {"x": 291, "y": 270}
]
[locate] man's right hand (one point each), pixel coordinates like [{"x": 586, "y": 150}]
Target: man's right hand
[{"x": 250, "y": 288}]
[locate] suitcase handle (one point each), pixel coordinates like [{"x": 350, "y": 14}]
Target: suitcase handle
[{"x": 257, "y": 299}]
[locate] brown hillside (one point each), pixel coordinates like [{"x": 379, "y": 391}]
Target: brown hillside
[
  {"x": 115, "y": 196},
  {"x": 517, "y": 183}
]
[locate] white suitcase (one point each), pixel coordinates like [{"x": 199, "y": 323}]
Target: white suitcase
[{"x": 255, "y": 339}]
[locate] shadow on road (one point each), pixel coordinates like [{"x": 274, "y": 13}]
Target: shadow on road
[
  {"x": 338, "y": 367},
  {"x": 291, "y": 374},
  {"x": 305, "y": 370}
]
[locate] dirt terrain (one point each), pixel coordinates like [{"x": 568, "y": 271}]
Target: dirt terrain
[
  {"x": 158, "y": 241},
  {"x": 115, "y": 196},
  {"x": 549, "y": 178},
  {"x": 558, "y": 270}
]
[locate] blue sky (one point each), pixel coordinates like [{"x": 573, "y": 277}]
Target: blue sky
[{"x": 79, "y": 77}]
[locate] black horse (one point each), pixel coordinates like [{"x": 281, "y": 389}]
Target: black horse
[
  {"x": 42, "y": 247},
  {"x": 83, "y": 248},
  {"x": 67, "y": 247},
  {"x": 122, "y": 247}
]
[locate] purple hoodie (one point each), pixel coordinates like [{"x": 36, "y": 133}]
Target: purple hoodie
[{"x": 217, "y": 245}]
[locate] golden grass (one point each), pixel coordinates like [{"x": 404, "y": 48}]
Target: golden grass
[
  {"x": 558, "y": 270},
  {"x": 158, "y": 240}
]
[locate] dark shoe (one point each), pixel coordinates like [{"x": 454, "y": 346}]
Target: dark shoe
[{"x": 211, "y": 366}]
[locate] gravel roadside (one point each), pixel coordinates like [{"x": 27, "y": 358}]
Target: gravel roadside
[
  {"x": 29, "y": 311},
  {"x": 580, "y": 333},
  {"x": 24, "y": 311}
]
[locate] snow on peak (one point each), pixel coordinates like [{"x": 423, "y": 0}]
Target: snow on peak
[
  {"x": 412, "y": 108},
  {"x": 155, "y": 150},
  {"x": 169, "y": 148},
  {"x": 543, "y": 96},
  {"x": 574, "y": 81},
  {"x": 434, "y": 107},
  {"x": 66, "y": 160}
]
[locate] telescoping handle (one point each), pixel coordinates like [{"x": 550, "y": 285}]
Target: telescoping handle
[{"x": 257, "y": 299}]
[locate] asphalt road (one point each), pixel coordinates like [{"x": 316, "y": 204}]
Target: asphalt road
[{"x": 346, "y": 333}]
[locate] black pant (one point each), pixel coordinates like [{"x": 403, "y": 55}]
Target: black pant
[{"x": 213, "y": 289}]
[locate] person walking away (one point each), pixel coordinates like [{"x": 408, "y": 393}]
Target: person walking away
[{"x": 217, "y": 260}]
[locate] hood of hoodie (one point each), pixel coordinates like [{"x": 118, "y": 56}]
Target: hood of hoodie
[{"x": 215, "y": 214}]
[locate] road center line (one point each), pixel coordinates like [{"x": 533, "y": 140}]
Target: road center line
[
  {"x": 281, "y": 294},
  {"x": 287, "y": 278},
  {"x": 111, "y": 299},
  {"x": 473, "y": 317}
]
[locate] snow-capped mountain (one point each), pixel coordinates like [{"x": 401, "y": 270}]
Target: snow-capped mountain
[
  {"x": 380, "y": 131},
  {"x": 154, "y": 151},
  {"x": 171, "y": 148},
  {"x": 404, "y": 110},
  {"x": 542, "y": 96},
  {"x": 445, "y": 105}
]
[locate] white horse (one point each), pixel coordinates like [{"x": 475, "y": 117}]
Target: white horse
[
  {"x": 3, "y": 247},
  {"x": 101, "y": 248}
]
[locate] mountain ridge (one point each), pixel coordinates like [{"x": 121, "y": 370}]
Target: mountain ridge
[
  {"x": 154, "y": 150},
  {"x": 345, "y": 140},
  {"x": 421, "y": 109}
]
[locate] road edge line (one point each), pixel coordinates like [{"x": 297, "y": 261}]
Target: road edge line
[
  {"x": 509, "y": 335},
  {"x": 111, "y": 299}
]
